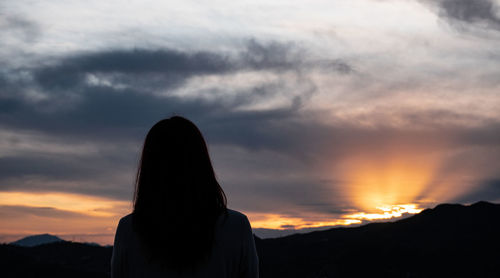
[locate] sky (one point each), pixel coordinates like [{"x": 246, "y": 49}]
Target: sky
[{"x": 316, "y": 114}]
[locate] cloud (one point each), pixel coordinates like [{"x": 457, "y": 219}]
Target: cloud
[
  {"x": 167, "y": 67},
  {"x": 289, "y": 56},
  {"x": 18, "y": 33},
  {"x": 488, "y": 190},
  {"x": 164, "y": 69},
  {"x": 18, "y": 212},
  {"x": 267, "y": 158},
  {"x": 115, "y": 91},
  {"x": 27, "y": 220},
  {"x": 100, "y": 85},
  {"x": 482, "y": 13},
  {"x": 298, "y": 196},
  {"x": 18, "y": 27},
  {"x": 61, "y": 117},
  {"x": 274, "y": 143}
]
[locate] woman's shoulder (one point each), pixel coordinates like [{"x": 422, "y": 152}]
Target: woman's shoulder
[
  {"x": 236, "y": 214},
  {"x": 124, "y": 225},
  {"x": 126, "y": 220},
  {"x": 234, "y": 219}
]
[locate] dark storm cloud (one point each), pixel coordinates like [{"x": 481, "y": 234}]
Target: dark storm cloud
[
  {"x": 477, "y": 12},
  {"x": 173, "y": 66},
  {"x": 106, "y": 113},
  {"x": 169, "y": 68},
  {"x": 73, "y": 103},
  {"x": 75, "y": 110}
]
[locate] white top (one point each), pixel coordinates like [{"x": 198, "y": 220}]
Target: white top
[{"x": 233, "y": 254}]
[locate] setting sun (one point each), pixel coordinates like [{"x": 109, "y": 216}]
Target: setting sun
[{"x": 387, "y": 212}]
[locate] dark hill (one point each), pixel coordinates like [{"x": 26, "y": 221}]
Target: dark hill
[
  {"x": 447, "y": 241},
  {"x": 36, "y": 240},
  {"x": 60, "y": 259}
]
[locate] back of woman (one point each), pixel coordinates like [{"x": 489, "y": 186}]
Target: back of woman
[{"x": 180, "y": 226}]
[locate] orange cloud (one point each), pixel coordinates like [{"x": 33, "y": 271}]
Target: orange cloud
[{"x": 70, "y": 216}]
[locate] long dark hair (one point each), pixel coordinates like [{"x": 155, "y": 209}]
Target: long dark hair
[{"x": 177, "y": 197}]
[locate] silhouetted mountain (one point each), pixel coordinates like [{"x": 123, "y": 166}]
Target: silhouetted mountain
[
  {"x": 447, "y": 241},
  {"x": 59, "y": 259},
  {"x": 36, "y": 240}
]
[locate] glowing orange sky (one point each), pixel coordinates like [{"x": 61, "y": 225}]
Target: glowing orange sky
[
  {"x": 378, "y": 185},
  {"x": 91, "y": 219},
  {"x": 70, "y": 216}
]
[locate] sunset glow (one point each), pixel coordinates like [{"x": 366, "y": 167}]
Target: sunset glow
[
  {"x": 395, "y": 176},
  {"x": 388, "y": 212},
  {"x": 94, "y": 218},
  {"x": 276, "y": 221},
  {"x": 71, "y": 216},
  {"x": 280, "y": 222},
  {"x": 87, "y": 205}
]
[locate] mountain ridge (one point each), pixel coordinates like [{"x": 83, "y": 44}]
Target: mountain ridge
[
  {"x": 449, "y": 237},
  {"x": 449, "y": 240},
  {"x": 35, "y": 240}
]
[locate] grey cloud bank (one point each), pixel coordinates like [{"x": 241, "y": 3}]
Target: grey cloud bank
[
  {"x": 483, "y": 13},
  {"x": 77, "y": 110}
]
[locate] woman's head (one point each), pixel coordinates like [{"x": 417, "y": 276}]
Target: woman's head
[{"x": 177, "y": 195}]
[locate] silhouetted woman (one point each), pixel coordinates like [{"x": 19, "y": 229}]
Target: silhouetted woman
[{"x": 180, "y": 226}]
